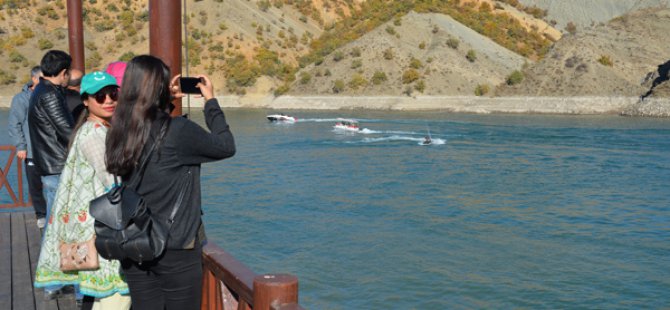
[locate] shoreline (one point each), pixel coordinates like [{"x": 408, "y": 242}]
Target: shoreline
[{"x": 628, "y": 106}]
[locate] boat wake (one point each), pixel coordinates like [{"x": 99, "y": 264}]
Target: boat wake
[{"x": 419, "y": 141}]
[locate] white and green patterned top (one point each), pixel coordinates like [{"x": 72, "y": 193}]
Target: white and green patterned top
[{"x": 84, "y": 178}]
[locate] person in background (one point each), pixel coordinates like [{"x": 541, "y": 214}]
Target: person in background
[
  {"x": 116, "y": 69},
  {"x": 87, "y": 178},
  {"x": 72, "y": 96},
  {"x": 50, "y": 125},
  {"x": 20, "y": 134},
  {"x": 174, "y": 280}
]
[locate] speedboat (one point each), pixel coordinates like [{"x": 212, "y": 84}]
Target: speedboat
[
  {"x": 347, "y": 125},
  {"x": 281, "y": 118}
]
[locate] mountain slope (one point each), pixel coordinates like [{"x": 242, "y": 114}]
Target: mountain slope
[
  {"x": 424, "y": 39},
  {"x": 608, "y": 60},
  {"x": 585, "y": 13}
]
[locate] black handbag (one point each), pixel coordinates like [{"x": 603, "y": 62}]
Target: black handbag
[{"x": 124, "y": 226}]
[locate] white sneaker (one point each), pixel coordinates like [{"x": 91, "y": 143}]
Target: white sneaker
[{"x": 41, "y": 222}]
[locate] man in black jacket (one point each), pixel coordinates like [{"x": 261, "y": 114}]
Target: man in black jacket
[{"x": 50, "y": 122}]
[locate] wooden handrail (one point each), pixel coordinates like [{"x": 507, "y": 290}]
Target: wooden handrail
[
  {"x": 266, "y": 292},
  {"x": 4, "y": 181}
]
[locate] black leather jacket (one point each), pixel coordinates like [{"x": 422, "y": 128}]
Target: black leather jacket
[{"x": 50, "y": 125}]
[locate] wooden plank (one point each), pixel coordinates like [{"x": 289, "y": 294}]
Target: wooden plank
[
  {"x": 22, "y": 286},
  {"x": 5, "y": 261},
  {"x": 34, "y": 244}
]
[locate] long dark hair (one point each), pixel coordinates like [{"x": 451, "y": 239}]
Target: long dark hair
[{"x": 145, "y": 92}]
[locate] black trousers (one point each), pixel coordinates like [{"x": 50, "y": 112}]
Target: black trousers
[
  {"x": 35, "y": 188},
  {"x": 174, "y": 281}
]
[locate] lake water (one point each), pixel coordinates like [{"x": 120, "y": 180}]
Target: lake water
[{"x": 503, "y": 211}]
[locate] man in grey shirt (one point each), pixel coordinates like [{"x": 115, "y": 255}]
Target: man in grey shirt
[{"x": 18, "y": 132}]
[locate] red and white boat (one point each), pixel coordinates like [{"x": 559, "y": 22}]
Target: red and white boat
[{"x": 346, "y": 125}]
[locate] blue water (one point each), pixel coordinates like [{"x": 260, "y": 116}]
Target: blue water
[{"x": 504, "y": 211}]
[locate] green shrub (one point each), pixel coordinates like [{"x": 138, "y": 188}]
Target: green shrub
[
  {"x": 355, "y": 52},
  {"x": 357, "y": 81},
  {"x": 390, "y": 30},
  {"x": 27, "y": 32},
  {"x": 379, "y": 77},
  {"x": 571, "y": 28},
  {"x": 481, "y": 89},
  {"x": 93, "y": 62},
  {"x": 127, "y": 56},
  {"x": 453, "y": 43},
  {"x": 338, "y": 56},
  {"x": 305, "y": 77},
  {"x": 388, "y": 53},
  {"x": 7, "y": 78},
  {"x": 44, "y": 44},
  {"x": 420, "y": 86},
  {"x": 283, "y": 89},
  {"x": 409, "y": 76},
  {"x": 357, "y": 63},
  {"x": 338, "y": 86},
  {"x": 514, "y": 78},
  {"x": 415, "y": 63},
  {"x": 471, "y": 56},
  {"x": 422, "y": 45},
  {"x": 16, "y": 57},
  {"x": 606, "y": 61}
]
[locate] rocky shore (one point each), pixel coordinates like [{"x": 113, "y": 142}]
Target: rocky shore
[{"x": 628, "y": 106}]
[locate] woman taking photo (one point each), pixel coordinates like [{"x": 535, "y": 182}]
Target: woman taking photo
[
  {"x": 171, "y": 179},
  {"x": 84, "y": 178}
]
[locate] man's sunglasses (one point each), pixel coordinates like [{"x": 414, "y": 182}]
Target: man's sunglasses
[{"x": 113, "y": 93}]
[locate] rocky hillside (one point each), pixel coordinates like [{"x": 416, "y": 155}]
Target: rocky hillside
[
  {"x": 418, "y": 53},
  {"x": 607, "y": 60},
  {"x": 368, "y": 47},
  {"x": 588, "y": 13}
]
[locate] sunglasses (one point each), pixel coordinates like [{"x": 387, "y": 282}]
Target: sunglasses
[{"x": 112, "y": 92}]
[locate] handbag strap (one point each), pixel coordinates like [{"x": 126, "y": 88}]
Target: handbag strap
[{"x": 140, "y": 173}]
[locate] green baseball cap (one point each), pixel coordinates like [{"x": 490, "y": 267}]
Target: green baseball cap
[{"x": 95, "y": 81}]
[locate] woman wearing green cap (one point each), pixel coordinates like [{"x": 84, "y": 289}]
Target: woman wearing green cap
[{"x": 84, "y": 178}]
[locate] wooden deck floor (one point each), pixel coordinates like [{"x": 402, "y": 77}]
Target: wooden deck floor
[{"x": 19, "y": 251}]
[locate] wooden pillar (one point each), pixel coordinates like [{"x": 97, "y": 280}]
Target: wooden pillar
[
  {"x": 165, "y": 37},
  {"x": 273, "y": 290},
  {"x": 75, "y": 30}
]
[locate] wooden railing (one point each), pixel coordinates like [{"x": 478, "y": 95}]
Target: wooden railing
[
  {"x": 17, "y": 201},
  {"x": 228, "y": 284}
]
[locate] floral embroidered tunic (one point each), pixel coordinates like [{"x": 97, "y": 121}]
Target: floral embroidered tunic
[{"x": 84, "y": 178}]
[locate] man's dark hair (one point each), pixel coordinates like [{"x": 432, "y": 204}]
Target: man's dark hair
[{"x": 54, "y": 61}]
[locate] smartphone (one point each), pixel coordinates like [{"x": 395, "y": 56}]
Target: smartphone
[{"x": 188, "y": 85}]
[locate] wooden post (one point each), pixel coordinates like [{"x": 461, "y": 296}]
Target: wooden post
[
  {"x": 273, "y": 290},
  {"x": 75, "y": 30},
  {"x": 211, "y": 292},
  {"x": 165, "y": 37}
]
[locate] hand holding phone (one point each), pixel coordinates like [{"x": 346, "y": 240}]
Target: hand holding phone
[{"x": 189, "y": 85}]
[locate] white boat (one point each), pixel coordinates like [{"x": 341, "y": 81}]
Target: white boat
[
  {"x": 346, "y": 124},
  {"x": 281, "y": 118}
]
